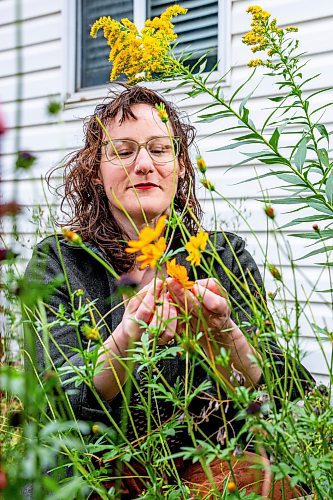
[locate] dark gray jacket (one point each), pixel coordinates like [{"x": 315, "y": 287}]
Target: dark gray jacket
[{"x": 86, "y": 273}]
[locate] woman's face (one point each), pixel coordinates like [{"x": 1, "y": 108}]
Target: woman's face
[{"x": 144, "y": 185}]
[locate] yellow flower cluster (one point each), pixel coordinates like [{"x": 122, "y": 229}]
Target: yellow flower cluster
[
  {"x": 134, "y": 53},
  {"x": 195, "y": 246},
  {"x": 264, "y": 34},
  {"x": 255, "y": 62},
  {"x": 257, "y": 37},
  {"x": 151, "y": 250}
]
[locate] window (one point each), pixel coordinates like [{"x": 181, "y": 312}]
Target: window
[{"x": 197, "y": 32}]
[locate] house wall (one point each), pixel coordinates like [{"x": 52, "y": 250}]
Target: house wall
[{"x": 45, "y": 46}]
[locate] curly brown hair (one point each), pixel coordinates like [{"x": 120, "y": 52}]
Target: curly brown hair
[{"x": 90, "y": 213}]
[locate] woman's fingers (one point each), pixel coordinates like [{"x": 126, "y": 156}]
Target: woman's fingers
[
  {"x": 146, "y": 308},
  {"x": 165, "y": 320},
  {"x": 185, "y": 299},
  {"x": 212, "y": 301}
]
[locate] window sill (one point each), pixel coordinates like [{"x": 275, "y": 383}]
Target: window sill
[{"x": 97, "y": 94}]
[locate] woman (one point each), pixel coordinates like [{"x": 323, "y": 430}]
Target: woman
[{"x": 133, "y": 168}]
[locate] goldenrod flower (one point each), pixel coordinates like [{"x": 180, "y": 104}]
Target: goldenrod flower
[
  {"x": 264, "y": 34},
  {"x": 72, "y": 236},
  {"x": 201, "y": 164},
  {"x": 195, "y": 246},
  {"x": 146, "y": 236},
  {"x": 255, "y": 62},
  {"x": 151, "y": 254},
  {"x": 134, "y": 53},
  {"x": 162, "y": 114},
  {"x": 258, "y": 13},
  {"x": 291, "y": 29},
  {"x": 179, "y": 272}
]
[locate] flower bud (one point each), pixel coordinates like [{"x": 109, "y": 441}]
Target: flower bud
[
  {"x": 208, "y": 184},
  {"x": 162, "y": 113},
  {"x": 72, "y": 236},
  {"x": 275, "y": 272},
  {"x": 201, "y": 164},
  {"x": 269, "y": 211},
  {"x": 231, "y": 486}
]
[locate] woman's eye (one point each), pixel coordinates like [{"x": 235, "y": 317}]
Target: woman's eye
[
  {"x": 125, "y": 153},
  {"x": 158, "y": 150}
]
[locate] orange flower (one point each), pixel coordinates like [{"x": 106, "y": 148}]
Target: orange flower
[
  {"x": 72, "y": 236},
  {"x": 152, "y": 253},
  {"x": 146, "y": 236},
  {"x": 195, "y": 246},
  {"x": 179, "y": 273}
]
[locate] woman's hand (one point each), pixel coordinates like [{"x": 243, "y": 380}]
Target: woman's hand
[
  {"x": 151, "y": 306},
  {"x": 208, "y": 306}
]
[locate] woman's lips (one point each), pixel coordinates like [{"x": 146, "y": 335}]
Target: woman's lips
[{"x": 144, "y": 187}]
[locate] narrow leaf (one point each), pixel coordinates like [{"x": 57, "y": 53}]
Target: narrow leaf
[
  {"x": 315, "y": 252},
  {"x": 319, "y": 205},
  {"x": 323, "y": 157},
  {"x": 275, "y": 139},
  {"x": 322, "y": 130},
  {"x": 310, "y": 218},
  {"x": 300, "y": 155},
  {"x": 329, "y": 189}
]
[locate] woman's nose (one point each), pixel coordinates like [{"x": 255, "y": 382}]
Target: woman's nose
[{"x": 143, "y": 163}]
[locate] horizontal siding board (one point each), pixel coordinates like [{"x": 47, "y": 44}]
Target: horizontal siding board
[
  {"x": 34, "y": 58},
  {"x": 51, "y": 137},
  {"x": 30, "y": 9},
  {"x": 34, "y": 31},
  {"x": 47, "y": 82}
]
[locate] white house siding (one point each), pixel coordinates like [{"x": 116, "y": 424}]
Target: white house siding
[{"x": 45, "y": 44}]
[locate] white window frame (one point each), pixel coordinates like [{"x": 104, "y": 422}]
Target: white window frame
[{"x": 70, "y": 35}]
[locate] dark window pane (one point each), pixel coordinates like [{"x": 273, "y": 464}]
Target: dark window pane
[
  {"x": 197, "y": 31},
  {"x": 92, "y": 54}
]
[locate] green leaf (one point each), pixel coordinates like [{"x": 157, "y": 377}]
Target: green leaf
[
  {"x": 314, "y": 235},
  {"x": 275, "y": 139},
  {"x": 249, "y": 136},
  {"x": 268, "y": 174},
  {"x": 245, "y": 115},
  {"x": 320, "y": 206},
  {"x": 203, "y": 66},
  {"x": 329, "y": 189},
  {"x": 322, "y": 130},
  {"x": 272, "y": 160},
  {"x": 232, "y": 146},
  {"x": 315, "y": 252},
  {"x": 291, "y": 178},
  {"x": 300, "y": 155},
  {"x": 310, "y": 218},
  {"x": 286, "y": 201},
  {"x": 323, "y": 157},
  {"x": 277, "y": 99}
]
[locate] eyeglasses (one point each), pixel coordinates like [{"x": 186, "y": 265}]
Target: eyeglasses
[{"x": 125, "y": 152}]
